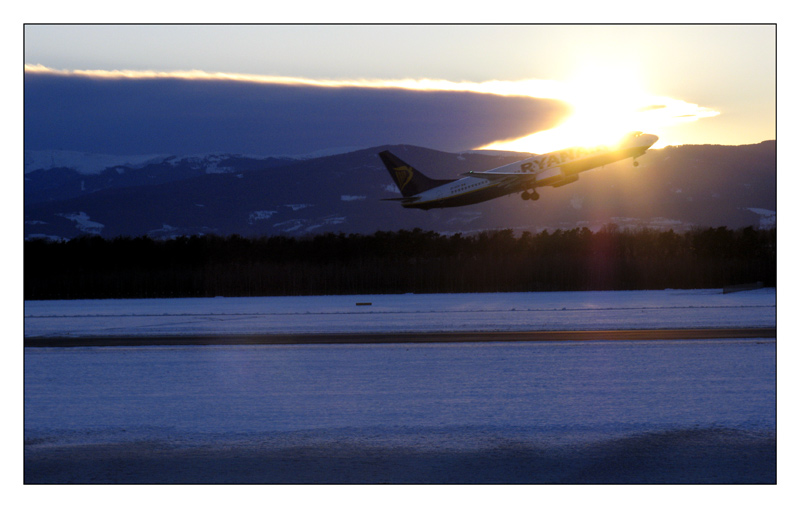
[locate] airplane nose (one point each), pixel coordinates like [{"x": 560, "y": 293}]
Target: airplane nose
[{"x": 650, "y": 139}]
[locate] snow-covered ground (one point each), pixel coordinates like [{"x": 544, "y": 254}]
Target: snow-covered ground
[
  {"x": 529, "y": 412},
  {"x": 608, "y": 310}
]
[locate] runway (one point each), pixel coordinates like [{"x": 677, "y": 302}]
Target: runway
[{"x": 400, "y": 338}]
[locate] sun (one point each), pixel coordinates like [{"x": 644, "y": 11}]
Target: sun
[{"x": 607, "y": 102}]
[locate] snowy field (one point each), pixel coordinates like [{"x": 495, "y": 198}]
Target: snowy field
[
  {"x": 662, "y": 411},
  {"x": 606, "y": 310},
  {"x": 564, "y": 412}
]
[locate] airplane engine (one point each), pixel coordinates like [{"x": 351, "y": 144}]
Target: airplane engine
[
  {"x": 555, "y": 177},
  {"x": 566, "y": 180}
]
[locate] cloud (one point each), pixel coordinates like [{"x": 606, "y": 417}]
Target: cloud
[
  {"x": 651, "y": 107},
  {"x": 125, "y": 112}
]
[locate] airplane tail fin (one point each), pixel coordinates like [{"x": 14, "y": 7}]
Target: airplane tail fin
[{"x": 410, "y": 181}]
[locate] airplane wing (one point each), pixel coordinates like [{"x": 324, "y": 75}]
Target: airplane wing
[
  {"x": 402, "y": 200},
  {"x": 497, "y": 176},
  {"x": 554, "y": 176}
]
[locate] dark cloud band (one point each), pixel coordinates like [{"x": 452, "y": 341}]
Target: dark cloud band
[{"x": 175, "y": 115}]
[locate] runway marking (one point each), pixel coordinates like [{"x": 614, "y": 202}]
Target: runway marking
[
  {"x": 402, "y": 338},
  {"x": 378, "y": 310}
]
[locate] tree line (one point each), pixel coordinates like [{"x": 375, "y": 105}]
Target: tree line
[{"x": 398, "y": 262}]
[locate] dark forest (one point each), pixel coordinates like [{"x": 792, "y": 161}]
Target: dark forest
[{"x": 398, "y": 262}]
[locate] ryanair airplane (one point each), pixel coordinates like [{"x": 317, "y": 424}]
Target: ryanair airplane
[{"x": 552, "y": 169}]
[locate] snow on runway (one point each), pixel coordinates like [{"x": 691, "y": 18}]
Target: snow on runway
[
  {"x": 409, "y": 313},
  {"x": 665, "y": 411},
  {"x": 554, "y": 412}
]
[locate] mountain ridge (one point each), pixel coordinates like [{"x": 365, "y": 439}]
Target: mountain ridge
[{"x": 674, "y": 187}]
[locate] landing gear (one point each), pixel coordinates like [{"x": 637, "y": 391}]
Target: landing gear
[
  {"x": 533, "y": 195},
  {"x": 635, "y": 164}
]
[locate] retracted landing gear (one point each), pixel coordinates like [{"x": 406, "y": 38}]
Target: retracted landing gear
[{"x": 532, "y": 195}]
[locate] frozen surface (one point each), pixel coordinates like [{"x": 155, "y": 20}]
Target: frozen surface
[
  {"x": 491, "y": 412},
  {"x": 403, "y": 313}
]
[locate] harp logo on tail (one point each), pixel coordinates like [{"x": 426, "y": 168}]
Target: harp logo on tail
[{"x": 403, "y": 175}]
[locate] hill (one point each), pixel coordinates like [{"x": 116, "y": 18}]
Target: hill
[{"x": 168, "y": 196}]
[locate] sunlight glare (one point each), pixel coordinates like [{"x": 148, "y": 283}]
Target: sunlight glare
[{"x": 607, "y": 103}]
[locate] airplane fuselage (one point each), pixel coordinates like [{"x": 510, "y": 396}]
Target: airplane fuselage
[{"x": 551, "y": 169}]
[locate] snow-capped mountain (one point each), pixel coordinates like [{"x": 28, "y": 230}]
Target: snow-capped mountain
[
  {"x": 55, "y": 175},
  {"x": 166, "y": 196},
  {"x": 84, "y": 163}
]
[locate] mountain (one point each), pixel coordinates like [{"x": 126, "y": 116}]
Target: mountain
[
  {"x": 674, "y": 187},
  {"x": 57, "y": 175}
]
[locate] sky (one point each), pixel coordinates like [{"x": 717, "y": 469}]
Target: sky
[{"x": 296, "y": 89}]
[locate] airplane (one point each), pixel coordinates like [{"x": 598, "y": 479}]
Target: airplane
[{"x": 551, "y": 169}]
